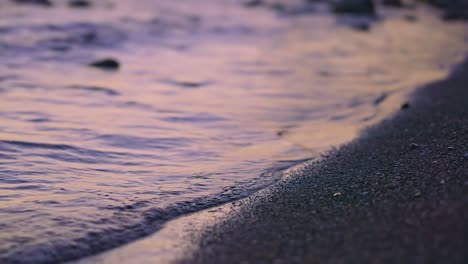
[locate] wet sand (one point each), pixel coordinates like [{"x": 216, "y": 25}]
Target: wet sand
[{"x": 396, "y": 195}]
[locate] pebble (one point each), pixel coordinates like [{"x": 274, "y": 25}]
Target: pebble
[
  {"x": 336, "y": 194},
  {"x": 107, "y": 64},
  {"x": 414, "y": 146}
]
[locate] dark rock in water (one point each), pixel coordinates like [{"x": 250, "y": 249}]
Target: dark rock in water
[
  {"x": 354, "y": 7},
  {"x": 253, "y": 3},
  {"x": 106, "y": 64},
  {"x": 405, "y": 105},
  {"x": 34, "y": 2},
  {"x": 394, "y": 3},
  {"x": 79, "y": 3}
]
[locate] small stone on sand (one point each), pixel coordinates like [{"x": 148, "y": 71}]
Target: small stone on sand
[{"x": 414, "y": 146}]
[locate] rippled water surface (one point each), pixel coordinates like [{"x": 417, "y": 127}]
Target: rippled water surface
[{"x": 212, "y": 100}]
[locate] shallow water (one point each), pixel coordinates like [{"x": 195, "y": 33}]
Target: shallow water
[{"x": 211, "y": 102}]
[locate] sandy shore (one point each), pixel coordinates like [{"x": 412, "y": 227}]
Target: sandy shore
[{"x": 396, "y": 195}]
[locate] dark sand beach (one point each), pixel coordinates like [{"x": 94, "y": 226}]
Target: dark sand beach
[{"x": 396, "y": 195}]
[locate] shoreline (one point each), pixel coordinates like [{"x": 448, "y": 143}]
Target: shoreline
[
  {"x": 77, "y": 216},
  {"x": 397, "y": 194}
]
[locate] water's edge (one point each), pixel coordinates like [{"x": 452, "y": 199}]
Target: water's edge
[{"x": 171, "y": 239}]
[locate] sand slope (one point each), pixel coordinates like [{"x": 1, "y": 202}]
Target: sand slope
[{"x": 397, "y": 195}]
